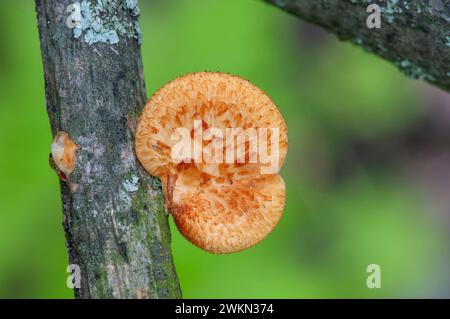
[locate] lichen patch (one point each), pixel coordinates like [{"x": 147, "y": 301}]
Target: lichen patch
[
  {"x": 105, "y": 21},
  {"x": 132, "y": 185}
]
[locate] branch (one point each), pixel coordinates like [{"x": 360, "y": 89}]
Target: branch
[
  {"x": 415, "y": 34},
  {"x": 114, "y": 218}
]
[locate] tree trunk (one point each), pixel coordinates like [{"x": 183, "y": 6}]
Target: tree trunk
[
  {"x": 114, "y": 217},
  {"x": 414, "y": 34}
]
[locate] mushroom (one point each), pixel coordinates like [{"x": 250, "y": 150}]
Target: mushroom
[
  {"x": 62, "y": 157},
  {"x": 221, "y": 206}
]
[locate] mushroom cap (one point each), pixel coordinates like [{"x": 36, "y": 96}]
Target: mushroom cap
[
  {"x": 63, "y": 153},
  {"x": 221, "y": 207}
]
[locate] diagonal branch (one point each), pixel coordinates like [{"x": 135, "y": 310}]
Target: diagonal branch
[{"x": 415, "y": 34}]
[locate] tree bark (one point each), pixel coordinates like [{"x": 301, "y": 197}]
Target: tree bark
[
  {"x": 114, "y": 217},
  {"x": 415, "y": 35}
]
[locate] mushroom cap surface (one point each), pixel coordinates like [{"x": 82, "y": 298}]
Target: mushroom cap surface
[{"x": 220, "y": 206}]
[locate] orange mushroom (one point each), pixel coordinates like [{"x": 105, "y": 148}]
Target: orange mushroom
[
  {"x": 62, "y": 157},
  {"x": 231, "y": 200}
]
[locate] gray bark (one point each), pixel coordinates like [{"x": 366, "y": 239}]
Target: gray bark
[
  {"x": 415, "y": 34},
  {"x": 114, "y": 217}
]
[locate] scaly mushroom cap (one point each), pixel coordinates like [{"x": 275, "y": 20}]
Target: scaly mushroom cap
[{"x": 220, "y": 207}]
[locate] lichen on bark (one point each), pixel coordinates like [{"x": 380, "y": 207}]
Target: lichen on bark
[{"x": 106, "y": 20}]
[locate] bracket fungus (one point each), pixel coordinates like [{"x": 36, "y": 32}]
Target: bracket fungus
[
  {"x": 230, "y": 201},
  {"x": 62, "y": 157}
]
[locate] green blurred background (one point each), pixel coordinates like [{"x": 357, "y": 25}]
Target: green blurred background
[{"x": 367, "y": 173}]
